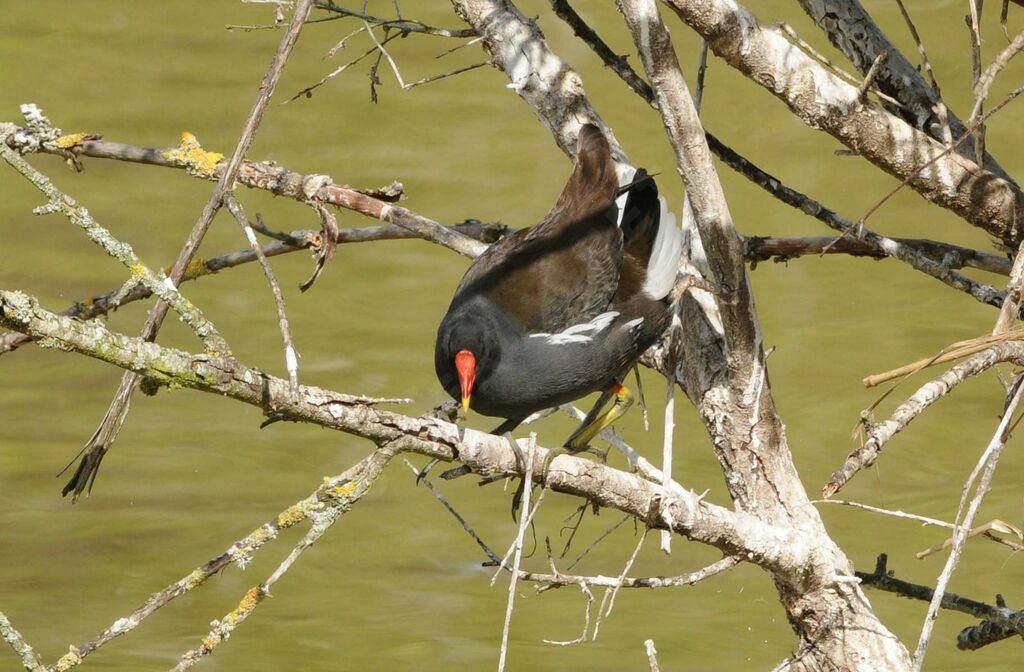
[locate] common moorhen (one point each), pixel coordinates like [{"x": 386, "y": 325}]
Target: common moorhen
[{"x": 565, "y": 308}]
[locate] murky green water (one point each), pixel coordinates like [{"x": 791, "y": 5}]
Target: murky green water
[{"x": 397, "y": 585}]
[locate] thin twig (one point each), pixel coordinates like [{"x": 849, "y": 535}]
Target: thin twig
[
  {"x": 940, "y": 105},
  {"x": 443, "y": 75},
  {"x": 966, "y": 513},
  {"x": 888, "y": 512},
  {"x": 518, "y": 546},
  {"x": 610, "y": 593},
  {"x": 387, "y": 55},
  {"x": 462, "y": 521},
  {"x": 290, "y": 355},
  {"x": 400, "y": 25},
  {"x": 585, "y": 588},
  {"x": 698, "y": 94},
  {"x": 869, "y": 79},
  {"x": 102, "y": 439}
]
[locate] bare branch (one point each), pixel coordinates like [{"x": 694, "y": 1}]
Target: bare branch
[
  {"x": 1011, "y": 622},
  {"x": 735, "y": 533},
  {"x": 329, "y": 503},
  {"x": 652, "y": 655},
  {"x": 400, "y": 25},
  {"x": 160, "y": 285},
  {"x": 88, "y": 309},
  {"x": 291, "y": 357},
  {"x": 880, "y": 434},
  {"x": 103, "y": 438},
  {"x": 822, "y": 100},
  {"x": 851, "y": 29},
  {"x": 966, "y": 513},
  {"x": 759, "y": 248}
]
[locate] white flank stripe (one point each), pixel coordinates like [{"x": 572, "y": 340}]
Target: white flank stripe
[{"x": 577, "y": 333}]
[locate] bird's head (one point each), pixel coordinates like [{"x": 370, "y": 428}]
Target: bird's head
[{"x": 468, "y": 348}]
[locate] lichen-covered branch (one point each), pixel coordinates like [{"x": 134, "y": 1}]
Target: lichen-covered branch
[
  {"x": 123, "y": 252},
  {"x": 333, "y": 497},
  {"x": 268, "y": 177},
  {"x": 87, "y": 309},
  {"x": 734, "y": 533},
  {"x": 29, "y": 658},
  {"x": 323, "y": 508}
]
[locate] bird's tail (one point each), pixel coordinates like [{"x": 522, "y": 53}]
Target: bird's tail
[{"x": 649, "y": 232}]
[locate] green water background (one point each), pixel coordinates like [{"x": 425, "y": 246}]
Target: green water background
[{"x": 397, "y": 585}]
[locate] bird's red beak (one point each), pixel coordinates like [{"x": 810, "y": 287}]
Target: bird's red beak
[{"x": 465, "y": 364}]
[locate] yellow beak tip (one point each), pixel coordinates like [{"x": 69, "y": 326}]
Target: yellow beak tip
[{"x": 465, "y": 404}]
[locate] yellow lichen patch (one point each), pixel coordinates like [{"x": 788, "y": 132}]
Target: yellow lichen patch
[
  {"x": 68, "y": 660},
  {"x": 252, "y": 597},
  {"x": 192, "y": 155},
  {"x": 195, "y": 269},
  {"x": 138, "y": 270},
  {"x": 68, "y": 141},
  {"x": 291, "y": 516},
  {"x": 210, "y": 642},
  {"x": 196, "y": 578},
  {"x": 346, "y": 489}
]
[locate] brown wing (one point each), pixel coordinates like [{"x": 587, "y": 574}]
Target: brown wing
[{"x": 564, "y": 270}]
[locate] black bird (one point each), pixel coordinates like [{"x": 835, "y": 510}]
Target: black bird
[{"x": 565, "y": 308}]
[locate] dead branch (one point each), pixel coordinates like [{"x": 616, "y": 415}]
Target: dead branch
[
  {"x": 87, "y": 309},
  {"x": 1011, "y": 622},
  {"x": 851, "y": 29},
  {"x": 279, "y": 181},
  {"x": 824, "y": 101},
  {"x": 761, "y": 248},
  {"x": 735, "y": 533},
  {"x": 291, "y": 357},
  {"x": 162, "y": 286},
  {"x": 879, "y": 434},
  {"x": 241, "y": 551},
  {"x": 29, "y": 658}
]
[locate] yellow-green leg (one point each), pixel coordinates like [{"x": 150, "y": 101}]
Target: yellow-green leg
[{"x": 598, "y": 418}]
